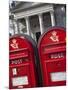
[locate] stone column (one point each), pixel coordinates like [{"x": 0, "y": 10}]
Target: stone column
[
  {"x": 16, "y": 27},
  {"x": 18, "y": 30},
  {"x": 41, "y": 23},
  {"x": 28, "y": 25},
  {"x": 52, "y": 18}
]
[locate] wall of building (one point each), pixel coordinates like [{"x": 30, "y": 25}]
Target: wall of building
[{"x": 55, "y": 17}]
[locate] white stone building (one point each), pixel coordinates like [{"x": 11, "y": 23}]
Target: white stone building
[{"x": 34, "y": 18}]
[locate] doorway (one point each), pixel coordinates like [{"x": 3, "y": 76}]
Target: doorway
[{"x": 38, "y": 35}]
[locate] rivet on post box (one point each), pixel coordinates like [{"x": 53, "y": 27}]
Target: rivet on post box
[
  {"x": 22, "y": 72},
  {"x": 52, "y": 53}
]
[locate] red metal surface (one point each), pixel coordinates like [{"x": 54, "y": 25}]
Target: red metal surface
[
  {"x": 22, "y": 59},
  {"x": 52, "y": 53}
]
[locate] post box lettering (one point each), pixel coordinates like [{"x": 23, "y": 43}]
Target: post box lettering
[{"x": 57, "y": 55}]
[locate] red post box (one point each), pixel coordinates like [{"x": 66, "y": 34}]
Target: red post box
[
  {"x": 52, "y": 52},
  {"x": 22, "y": 73}
]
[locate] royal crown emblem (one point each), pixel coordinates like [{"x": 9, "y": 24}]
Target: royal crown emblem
[
  {"x": 54, "y": 37},
  {"x": 14, "y": 44}
]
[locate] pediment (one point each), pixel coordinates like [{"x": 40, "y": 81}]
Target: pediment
[{"x": 25, "y": 5}]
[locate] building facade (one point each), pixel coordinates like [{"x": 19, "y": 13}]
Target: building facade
[{"x": 34, "y": 18}]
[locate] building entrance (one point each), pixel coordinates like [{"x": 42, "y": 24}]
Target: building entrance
[{"x": 37, "y": 35}]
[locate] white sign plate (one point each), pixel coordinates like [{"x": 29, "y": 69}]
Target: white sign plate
[
  {"x": 58, "y": 76},
  {"x": 20, "y": 81}
]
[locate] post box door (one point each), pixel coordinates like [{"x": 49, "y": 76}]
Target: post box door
[
  {"x": 22, "y": 68},
  {"x": 21, "y": 76},
  {"x": 55, "y": 71}
]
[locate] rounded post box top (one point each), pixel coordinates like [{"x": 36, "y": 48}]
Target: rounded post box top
[
  {"x": 20, "y": 42},
  {"x": 55, "y": 35}
]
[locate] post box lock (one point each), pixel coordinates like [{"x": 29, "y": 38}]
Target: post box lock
[{"x": 58, "y": 64}]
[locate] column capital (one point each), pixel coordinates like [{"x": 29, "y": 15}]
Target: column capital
[
  {"x": 26, "y": 17},
  {"x": 52, "y": 11},
  {"x": 40, "y": 14}
]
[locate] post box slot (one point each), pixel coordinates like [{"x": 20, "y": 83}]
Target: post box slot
[
  {"x": 53, "y": 49},
  {"x": 62, "y": 43},
  {"x": 20, "y": 54},
  {"x": 19, "y": 50}
]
